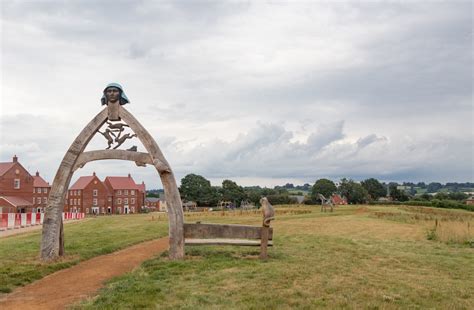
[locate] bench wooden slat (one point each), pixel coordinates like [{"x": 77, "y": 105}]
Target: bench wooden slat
[
  {"x": 224, "y": 231},
  {"x": 244, "y": 242}
]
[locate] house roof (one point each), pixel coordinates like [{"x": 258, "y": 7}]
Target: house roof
[
  {"x": 39, "y": 181},
  {"x": 122, "y": 182},
  {"x": 4, "y": 167},
  {"x": 152, "y": 199},
  {"x": 16, "y": 201},
  {"x": 141, "y": 187},
  {"x": 82, "y": 182}
]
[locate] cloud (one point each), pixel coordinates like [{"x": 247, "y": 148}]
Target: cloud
[{"x": 334, "y": 89}]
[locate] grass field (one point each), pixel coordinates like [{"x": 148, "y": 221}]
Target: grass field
[
  {"x": 357, "y": 257},
  {"x": 19, "y": 255}
]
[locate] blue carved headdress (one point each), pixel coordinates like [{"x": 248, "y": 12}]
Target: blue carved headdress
[{"x": 123, "y": 97}]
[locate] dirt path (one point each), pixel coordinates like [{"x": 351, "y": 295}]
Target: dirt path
[{"x": 67, "y": 286}]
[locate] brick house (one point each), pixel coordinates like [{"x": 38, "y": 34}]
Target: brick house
[
  {"x": 152, "y": 204},
  {"x": 338, "y": 200},
  {"x": 41, "y": 190},
  {"x": 89, "y": 195},
  {"x": 19, "y": 191},
  {"x": 127, "y": 196}
]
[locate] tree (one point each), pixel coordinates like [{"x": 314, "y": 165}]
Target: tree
[
  {"x": 397, "y": 194},
  {"x": 354, "y": 192},
  {"x": 232, "y": 192},
  {"x": 374, "y": 188},
  {"x": 324, "y": 187},
  {"x": 434, "y": 187},
  {"x": 196, "y": 188}
]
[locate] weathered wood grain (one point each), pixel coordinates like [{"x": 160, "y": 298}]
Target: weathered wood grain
[
  {"x": 173, "y": 199},
  {"x": 240, "y": 242},
  {"x": 138, "y": 157},
  {"x": 224, "y": 231},
  {"x": 52, "y": 240}
]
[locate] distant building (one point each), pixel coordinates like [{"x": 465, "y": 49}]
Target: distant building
[
  {"x": 20, "y": 192},
  {"x": 338, "y": 200},
  {"x": 470, "y": 200},
  {"x": 89, "y": 195},
  {"x": 115, "y": 195},
  {"x": 152, "y": 204}
]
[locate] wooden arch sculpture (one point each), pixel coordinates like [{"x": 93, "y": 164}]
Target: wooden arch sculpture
[{"x": 52, "y": 243}]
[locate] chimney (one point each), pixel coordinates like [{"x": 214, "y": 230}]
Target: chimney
[
  {"x": 15, "y": 159},
  {"x": 37, "y": 173},
  {"x": 129, "y": 176},
  {"x": 93, "y": 173}
]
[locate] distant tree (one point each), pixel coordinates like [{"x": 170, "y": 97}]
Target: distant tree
[
  {"x": 354, "y": 192},
  {"x": 374, "y": 188},
  {"x": 397, "y": 194},
  {"x": 426, "y": 196},
  {"x": 197, "y": 188},
  {"x": 458, "y": 196},
  {"x": 434, "y": 187},
  {"x": 421, "y": 185},
  {"x": 232, "y": 192},
  {"x": 324, "y": 187}
]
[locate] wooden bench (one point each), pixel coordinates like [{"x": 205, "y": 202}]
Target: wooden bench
[
  {"x": 224, "y": 234},
  {"x": 230, "y": 234}
]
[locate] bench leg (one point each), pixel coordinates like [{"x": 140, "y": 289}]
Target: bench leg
[{"x": 264, "y": 243}]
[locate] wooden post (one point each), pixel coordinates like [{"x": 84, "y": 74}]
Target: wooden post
[{"x": 264, "y": 243}]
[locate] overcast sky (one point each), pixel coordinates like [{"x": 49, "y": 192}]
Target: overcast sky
[{"x": 263, "y": 93}]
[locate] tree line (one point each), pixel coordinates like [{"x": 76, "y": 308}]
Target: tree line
[{"x": 197, "y": 188}]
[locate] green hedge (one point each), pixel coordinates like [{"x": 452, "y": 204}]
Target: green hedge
[{"x": 436, "y": 203}]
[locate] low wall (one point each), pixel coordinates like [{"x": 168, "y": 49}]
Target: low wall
[{"x": 19, "y": 220}]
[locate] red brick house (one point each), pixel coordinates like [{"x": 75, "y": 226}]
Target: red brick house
[
  {"x": 89, "y": 195},
  {"x": 41, "y": 190},
  {"x": 126, "y": 194},
  {"x": 152, "y": 204},
  {"x": 19, "y": 191},
  {"x": 338, "y": 200}
]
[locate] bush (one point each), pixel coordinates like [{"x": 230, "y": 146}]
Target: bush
[{"x": 435, "y": 203}]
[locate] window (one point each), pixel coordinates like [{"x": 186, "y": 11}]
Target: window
[
  {"x": 38, "y": 190},
  {"x": 38, "y": 200},
  {"x": 34, "y": 190},
  {"x": 75, "y": 201},
  {"x": 16, "y": 184},
  {"x": 125, "y": 201},
  {"x": 45, "y": 200},
  {"x": 45, "y": 190},
  {"x": 95, "y": 192},
  {"x": 132, "y": 201},
  {"x": 110, "y": 199},
  {"x": 79, "y": 201},
  {"x": 119, "y": 201},
  {"x": 94, "y": 201},
  {"x": 125, "y": 192},
  {"x": 70, "y": 202},
  {"x": 132, "y": 192},
  {"x": 119, "y": 192}
]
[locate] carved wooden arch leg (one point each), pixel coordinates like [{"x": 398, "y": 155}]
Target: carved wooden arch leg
[{"x": 52, "y": 242}]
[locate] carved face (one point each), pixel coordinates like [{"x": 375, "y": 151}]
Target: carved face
[{"x": 112, "y": 94}]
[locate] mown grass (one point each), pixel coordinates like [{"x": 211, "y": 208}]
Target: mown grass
[
  {"x": 346, "y": 259},
  {"x": 19, "y": 255}
]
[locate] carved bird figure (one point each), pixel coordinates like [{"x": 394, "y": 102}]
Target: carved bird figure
[{"x": 133, "y": 148}]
